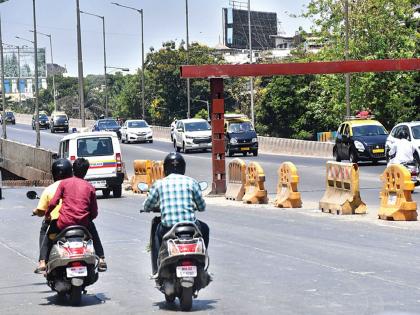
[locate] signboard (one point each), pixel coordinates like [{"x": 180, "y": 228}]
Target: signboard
[{"x": 25, "y": 60}]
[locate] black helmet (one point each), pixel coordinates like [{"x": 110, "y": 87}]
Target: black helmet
[
  {"x": 61, "y": 169},
  {"x": 403, "y": 134},
  {"x": 174, "y": 163}
]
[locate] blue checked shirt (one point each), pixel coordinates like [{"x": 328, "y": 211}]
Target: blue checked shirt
[{"x": 177, "y": 196}]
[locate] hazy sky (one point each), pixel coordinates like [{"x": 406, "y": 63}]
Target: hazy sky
[{"x": 163, "y": 20}]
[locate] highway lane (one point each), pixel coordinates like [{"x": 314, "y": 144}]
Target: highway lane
[
  {"x": 264, "y": 261},
  {"x": 311, "y": 169}
]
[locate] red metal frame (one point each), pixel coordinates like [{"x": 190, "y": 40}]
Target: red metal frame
[{"x": 216, "y": 73}]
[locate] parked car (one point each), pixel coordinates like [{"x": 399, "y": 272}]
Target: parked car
[
  {"x": 9, "y": 118},
  {"x": 240, "y": 135},
  {"x": 136, "y": 130},
  {"x": 59, "y": 121},
  {"x": 103, "y": 151},
  {"x": 43, "y": 121},
  {"x": 192, "y": 134},
  {"x": 360, "y": 140},
  {"x": 107, "y": 124},
  {"x": 412, "y": 129}
]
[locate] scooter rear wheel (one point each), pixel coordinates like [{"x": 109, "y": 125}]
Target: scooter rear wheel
[
  {"x": 186, "y": 299},
  {"x": 170, "y": 298},
  {"x": 75, "y": 295}
]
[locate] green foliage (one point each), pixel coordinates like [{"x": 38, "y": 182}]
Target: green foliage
[{"x": 202, "y": 114}]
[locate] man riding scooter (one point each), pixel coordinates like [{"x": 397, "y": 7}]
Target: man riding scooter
[
  {"x": 403, "y": 151},
  {"x": 177, "y": 196}
]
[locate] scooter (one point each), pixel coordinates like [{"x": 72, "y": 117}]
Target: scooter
[
  {"x": 72, "y": 263},
  {"x": 182, "y": 261},
  {"x": 414, "y": 169}
]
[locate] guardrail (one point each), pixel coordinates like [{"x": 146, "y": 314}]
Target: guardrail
[{"x": 265, "y": 144}]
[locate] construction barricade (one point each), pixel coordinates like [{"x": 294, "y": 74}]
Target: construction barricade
[
  {"x": 142, "y": 171},
  {"x": 342, "y": 195},
  {"x": 255, "y": 191},
  {"x": 396, "y": 201},
  {"x": 156, "y": 171},
  {"x": 235, "y": 189},
  {"x": 287, "y": 187}
]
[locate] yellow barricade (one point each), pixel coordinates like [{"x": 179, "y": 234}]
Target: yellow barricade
[
  {"x": 142, "y": 171},
  {"x": 235, "y": 189},
  {"x": 342, "y": 195},
  {"x": 396, "y": 201},
  {"x": 156, "y": 171},
  {"x": 254, "y": 186},
  {"x": 287, "y": 191}
]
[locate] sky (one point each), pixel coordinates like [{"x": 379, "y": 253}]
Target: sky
[{"x": 163, "y": 20}]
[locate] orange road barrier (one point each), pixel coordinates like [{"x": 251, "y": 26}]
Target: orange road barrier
[
  {"x": 342, "y": 195},
  {"x": 235, "y": 189},
  {"x": 254, "y": 186},
  {"x": 156, "y": 171},
  {"x": 287, "y": 187},
  {"x": 396, "y": 201},
  {"x": 142, "y": 171}
]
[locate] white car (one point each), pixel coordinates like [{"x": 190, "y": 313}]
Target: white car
[
  {"x": 136, "y": 130},
  {"x": 192, "y": 134},
  {"x": 102, "y": 150},
  {"x": 412, "y": 129}
]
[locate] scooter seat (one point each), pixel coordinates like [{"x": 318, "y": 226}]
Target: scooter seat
[
  {"x": 181, "y": 229},
  {"x": 74, "y": 231}
]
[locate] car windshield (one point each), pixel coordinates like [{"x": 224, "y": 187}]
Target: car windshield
[
  {"x": 43, "y": 116},
  {"x": 61, "y": 117},
  {"x": 197, "y": 126},
  {"x": 239, "y": 127},
  {"x": 94, "y": 146},
  {"x": 369, "y": 130},
  {"x": 108, "y": 124},
  {"x": 137, "y": 124},
  {"x": 9, "y": 114},
  {"x": 416, "y": 131}
]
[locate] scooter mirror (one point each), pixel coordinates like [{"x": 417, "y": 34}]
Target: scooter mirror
[
  {"x": 143, "y": 187},
  {"x": 203, "y": 185},
  {"x": 32, "y": 194}
]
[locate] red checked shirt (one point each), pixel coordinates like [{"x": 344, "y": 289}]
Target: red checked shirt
[{"x": 79, "y": 205}]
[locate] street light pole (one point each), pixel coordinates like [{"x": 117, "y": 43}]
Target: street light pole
[
  {"x": 80, "y": 67},
  {"x": 38, "y": 136},
  {"x": 346, "y": 18},
  {"x": 208, "y": 108},
  {"x": 142, "y": 52},
  {"x": 104, "y": 42},
  {"x": 52, "y": 64},
  {"x": 3, "y": 90},
  {"x": 251, "y": 79},
  {"x": 188, "y": 61}
]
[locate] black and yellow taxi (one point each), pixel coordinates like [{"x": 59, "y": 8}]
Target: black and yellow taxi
[
  {"x": 360, "y": 139},
  {"x": 240, "y": 135}
]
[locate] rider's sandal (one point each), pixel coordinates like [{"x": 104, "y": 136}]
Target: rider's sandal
[
  {"x": 102, "y": 266},
  {"x": 40, "y": 270}
]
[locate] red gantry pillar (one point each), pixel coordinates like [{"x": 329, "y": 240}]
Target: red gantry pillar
[{"x": 218, "y": 136}]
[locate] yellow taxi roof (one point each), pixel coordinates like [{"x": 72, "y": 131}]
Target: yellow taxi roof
[{"x": 359, "y": 122}]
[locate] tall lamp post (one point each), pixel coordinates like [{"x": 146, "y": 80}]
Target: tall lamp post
[
  {"x": 208, "y": 107},
  {"x": 80, "y": 67},
  {"x": 3, "y": 90},
  {"x": 142, "y": 52},
  {"x": 251, "y": 79},
  {"x": 188, "y": 60},
  {"x": 346, "y": 55},
  {"x": 104, "y": 42},
  {"x": 52, "y": 64}
]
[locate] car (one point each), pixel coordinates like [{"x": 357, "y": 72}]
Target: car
[
  {"x": 413, "y": 131},
  {"x": 240, "y": 135},
  {"x": 192, "y": 134},
  {"x": 102, "y": 150},
  {"x": 59, "y": 121},
  {"x": 43, "y": 121},
  {"x": 360, "y": 139},
  {"x": 107, "y": 124},
  {"x": 136, "y": 130},
  {"x": 10, "y": 117}
]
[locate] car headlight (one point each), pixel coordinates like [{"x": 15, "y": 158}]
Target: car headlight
[
  {"x": 254, "y": 140},
  {"x": 189, "y": 137},
  {"x": 359, "y": 146},
  {"x": 233, "y": 141}
]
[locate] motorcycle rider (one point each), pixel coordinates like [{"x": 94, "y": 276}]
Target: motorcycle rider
[
  {"x": 79, "y": 206},
  {"x": 177, "y": 196},
  {"x": 402, "y": 150},
  {"x": 61, "y": 169}
]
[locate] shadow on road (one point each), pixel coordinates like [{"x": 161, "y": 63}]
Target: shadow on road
[
  {"x": 87, "y": 300},
  {"x": 198, "y": 305}
]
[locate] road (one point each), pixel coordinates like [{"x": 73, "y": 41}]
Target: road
[{"x": 264, "y": 260}]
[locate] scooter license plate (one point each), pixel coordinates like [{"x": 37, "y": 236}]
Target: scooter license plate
[
  {"x": 186, "y": 271},
  {"x": 73, "y": 272}
]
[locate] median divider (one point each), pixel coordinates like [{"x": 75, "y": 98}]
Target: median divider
[
  {"x": 235, "y": 188},
  {"x": 342, "y": 195},
  {"x": 255, "y": 191},
  {"x": 142, "y": 172},
  {"x": 287, "y": 187},
  {"x": 396, "y": 200}
]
